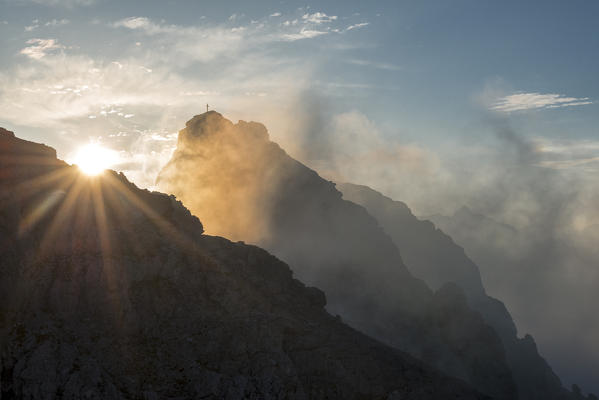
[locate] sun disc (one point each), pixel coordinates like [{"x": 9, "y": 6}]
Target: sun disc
[{"x": 92, "y": 159}]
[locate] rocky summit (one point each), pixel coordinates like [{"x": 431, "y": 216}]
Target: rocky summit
[
  {"x": 245, "y": 187},
  {"x": 112, "y": 292}
]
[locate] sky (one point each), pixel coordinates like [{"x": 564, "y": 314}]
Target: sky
[
  {"x": 425, "y": 75},
  {"x": 436, "y": 103}
]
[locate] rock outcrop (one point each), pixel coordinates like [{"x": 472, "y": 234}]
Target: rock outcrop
[
  {"x": 245, "y": 187},
  {"x": 112, "y": 292}
]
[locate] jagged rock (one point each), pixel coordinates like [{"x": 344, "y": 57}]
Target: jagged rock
[
  {"x": 245, "y": 187},
  {"x": 112, "y": 292},
  {"x": 433, "y": 256}
]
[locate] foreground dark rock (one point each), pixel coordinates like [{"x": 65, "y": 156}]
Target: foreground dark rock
[
  {"x": 108, "y": 292},
  {"x": 245, "y": 187}
]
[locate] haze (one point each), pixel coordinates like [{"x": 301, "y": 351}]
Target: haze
[{"x": 489, "y": 105}]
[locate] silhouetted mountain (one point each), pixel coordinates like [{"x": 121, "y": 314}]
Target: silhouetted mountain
[
  {"x": 434, "y": 257},
  {"x": 245, "y": 187},
  {"x": 531, "y": 269},
  {"x": 112, "y": 292}
]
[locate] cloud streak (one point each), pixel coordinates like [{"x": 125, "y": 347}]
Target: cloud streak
[
  {"x": 568, "y": 155},
  {"x": 536, "y": 101},
  {"x": 356, "y": 26}
]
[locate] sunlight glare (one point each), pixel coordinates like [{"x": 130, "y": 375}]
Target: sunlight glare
[{"x": 93, "y": 159}]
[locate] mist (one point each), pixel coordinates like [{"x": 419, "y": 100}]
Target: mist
[
  {"x": 536, "y": 244},
  {"x": 245, "y": 187}
]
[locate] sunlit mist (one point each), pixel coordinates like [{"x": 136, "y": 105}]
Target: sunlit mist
[{"x": 92, "y": 159}]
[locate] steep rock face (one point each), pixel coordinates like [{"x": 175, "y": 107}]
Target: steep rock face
[
  {"x": 434, "y": 257},
  {"x": 111, "y": 292},
  {"x": 246, "y": 187}
]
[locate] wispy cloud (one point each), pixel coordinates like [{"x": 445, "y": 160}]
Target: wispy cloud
[
  {"x": 568, "y": 154},
  {"x": 276, "y": 14},
  {"x": 374, "y": 64},
  {"x": 39, "y": 48},
  {"x": 303, "y": 34},
  {"x": 318, "y": 18},
  {"x": 356, "y": 26},
  {"x": 138, "y": 23},
  {"x": 208, "y": 42},
  {"x": 536, "y": 101},
  {"x": 162, "y": 74},
  {"x": 57, "y": 22},
  {"x": 52, "y": 23},
  {"x": 34, "y": 25}
]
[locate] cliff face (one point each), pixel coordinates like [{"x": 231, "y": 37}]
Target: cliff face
[
  {"x": 434, "y": 257},
  {"x": 246, "y": 187}
]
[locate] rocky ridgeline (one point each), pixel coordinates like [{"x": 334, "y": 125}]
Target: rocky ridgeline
[
  {"x": 433, "y": 256},
  {"x": 108, "y": 291},
  {"x": 245, "y": 187}
]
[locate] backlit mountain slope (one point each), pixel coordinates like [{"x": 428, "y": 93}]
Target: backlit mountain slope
[
  {"x": 112, "y": 292},
  {"x": 245, "y": 187}
]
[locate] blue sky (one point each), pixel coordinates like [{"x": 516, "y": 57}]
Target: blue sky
[
  {"x": 413, "y": 98},
  {"x": 425, "y": 73}
]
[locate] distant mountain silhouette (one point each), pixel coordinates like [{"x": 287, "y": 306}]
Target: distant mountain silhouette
[
  {"x": 434, "y": 257},
  {"x": 245, "y": 187},
  {"x": 531, "y": 268},
  {"x": 112, "y": 292}
]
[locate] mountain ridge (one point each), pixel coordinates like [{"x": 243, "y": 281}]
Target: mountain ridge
[
  {"x": 244, "y": 186},
  {"x": 427, "y": 249},
  {"x": 116, "y": 292}
]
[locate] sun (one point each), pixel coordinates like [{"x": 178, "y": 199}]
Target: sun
[{"x": 92, "y": 159}]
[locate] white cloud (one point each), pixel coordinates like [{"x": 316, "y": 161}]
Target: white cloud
[
  {"x": 303, "y": 34},
  {"x": 277, "y": 14},
  {"x": 134, "y": 23},
  {"x": 356, "y": 26},
  {"x": 536, "y": 101},
  {"x": 40, "y": 48},
  {"x": 207, "y": 43},
  {"x": 318, "y": 18}
]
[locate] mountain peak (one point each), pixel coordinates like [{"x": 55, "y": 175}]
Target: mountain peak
[
  {"x": 212, "y": 124},
  {"x": 244, "y": 187}
]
